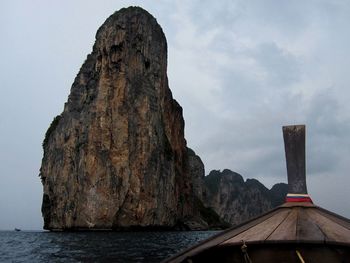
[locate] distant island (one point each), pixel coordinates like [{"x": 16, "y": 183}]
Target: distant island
[{"x": 116, "y": 158}]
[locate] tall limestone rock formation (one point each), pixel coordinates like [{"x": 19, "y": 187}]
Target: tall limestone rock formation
[
  {"x": 237, "y": 201},
  {"x": 116, "y": 157}
]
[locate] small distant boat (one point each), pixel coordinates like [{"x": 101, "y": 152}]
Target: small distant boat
[{"x": 17, "y": 229}]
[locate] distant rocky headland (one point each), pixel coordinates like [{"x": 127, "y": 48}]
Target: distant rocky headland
[
  {"x": 116, "y": 157},
  {"x": 237, "y": 201}
]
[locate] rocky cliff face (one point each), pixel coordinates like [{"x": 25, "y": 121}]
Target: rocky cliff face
[
  {"x": 196, "y": 170},
  {"x": 235, "y": 200},
  {"x": 116, "y": 157}
]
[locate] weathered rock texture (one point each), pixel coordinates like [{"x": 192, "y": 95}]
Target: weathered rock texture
[
  {"x": 197, "y": 172},
  {"x": 116, "y": 157},
  {"x": 235, "y": 200}
]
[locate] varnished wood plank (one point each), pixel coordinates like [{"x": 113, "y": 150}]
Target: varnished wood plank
[
  {"x": 332, "y": 230},
  {"x": 223, "y": 236},
  {"x": 307, "y": 229},
  {"x": 287, "y": 229},
  {"x": 260, "y": 231},
  {"x": 345, "y": 222}
]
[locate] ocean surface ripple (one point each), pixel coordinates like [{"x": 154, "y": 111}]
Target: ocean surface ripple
[{"x": 31, "y": 246}]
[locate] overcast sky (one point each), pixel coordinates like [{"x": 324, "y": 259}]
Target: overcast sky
[{"x": 240, "y": 70}]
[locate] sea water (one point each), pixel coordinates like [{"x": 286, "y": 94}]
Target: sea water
[{"x": 36, "y": 246}]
